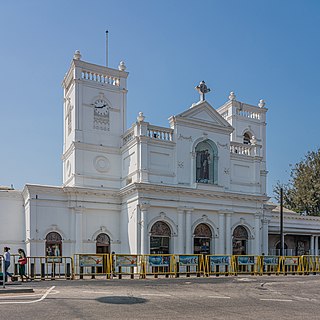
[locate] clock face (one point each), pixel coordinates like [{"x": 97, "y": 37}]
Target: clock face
[{"x": 101, "y": 107}]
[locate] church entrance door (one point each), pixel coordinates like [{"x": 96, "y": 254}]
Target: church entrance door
[
  {"x": 240, "y": 241},
  {"x": 160, "y": 238},
  {"x": 102, "y": 247},
  {"x": 202, "y": 239}
]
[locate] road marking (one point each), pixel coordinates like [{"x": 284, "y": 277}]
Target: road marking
[
  {"x": 156, "y": 294},
  {"x": 219, "y": 297},
  {"x": 98, "y": 292},
  {"x": 33, "y": 301},
  {"x": 280, "y": 300}
]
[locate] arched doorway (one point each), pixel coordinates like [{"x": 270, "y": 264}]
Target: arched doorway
[
  {"x": 160, "y": 238},
  {"x": 53, "y": 244},
  {"x": 240, "y": 241},
  {"x": 102, "y": 243},
  {"x": 285, "y": 247},
  {"x": 202, "y": 239}
]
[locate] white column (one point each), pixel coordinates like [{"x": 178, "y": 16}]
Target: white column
[
  {"x": 228, "y": 234},
  {"x": 257, "y": 244},
  {"x": 189, "y": 237},
  {"x": 265, "y": 236},
  {"x": 144, "y": 206},
  {"x": 78, "y": 230},
  {"x": 181, "y": 231},
  {"x": 312, "y": 245},
  {"x": 221, "y": 233},
  {"x": 316, "y": 245}
]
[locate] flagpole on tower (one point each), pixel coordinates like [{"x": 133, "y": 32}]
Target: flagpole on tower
[{"x": 107, "y": 36}]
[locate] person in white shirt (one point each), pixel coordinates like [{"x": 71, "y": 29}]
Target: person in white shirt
[{"x": 7, "y": 259}]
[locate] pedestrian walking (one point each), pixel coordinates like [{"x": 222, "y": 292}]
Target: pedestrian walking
[
  {"x": 22, "y": 264},
  {"x": 7, "y": 260}
]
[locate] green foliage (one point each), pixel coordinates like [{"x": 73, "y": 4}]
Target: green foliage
[{"x": 302, "y": 193}]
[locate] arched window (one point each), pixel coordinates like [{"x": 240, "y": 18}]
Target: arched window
[
  {"x": 202, "y": 239},
  {"x": 53, "y": 244},
  {"x": 102, "y": 243},
  {"x": 240, "y": 241},
  {"x": 160, "y": 238},
  {"x": 206, "y": 162},
  {"x": 247, "y": 138}
]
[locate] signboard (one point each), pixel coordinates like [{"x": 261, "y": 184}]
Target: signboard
[
  {"x": 291, "y": 261},
  {"x": 126, "y": 261},
  {"x": 90, "y": 261},
  {"x": 271, "y": 260},
  {"x": 219, "y": 260},
  {"x": 159, "y": 261},
  {"x": 188, "y": 260},
  {"x": 245, "y": 260}
]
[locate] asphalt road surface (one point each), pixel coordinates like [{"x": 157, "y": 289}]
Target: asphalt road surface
[{"x": 250, "y": 297}]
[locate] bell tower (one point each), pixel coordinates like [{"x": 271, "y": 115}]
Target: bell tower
[{"x": 94, "y": 121}]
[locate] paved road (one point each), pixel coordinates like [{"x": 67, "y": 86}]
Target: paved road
[{"x": 282, "y": 297}]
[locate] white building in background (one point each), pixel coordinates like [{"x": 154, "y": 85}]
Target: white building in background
[{"x": 198, "y": 186}]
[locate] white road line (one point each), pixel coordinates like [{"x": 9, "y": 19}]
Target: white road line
[
  {"x": 219, "y": 297},
  {"x": 98, "y": 292},
  {"x": 33, "y": 301},
  {"x": 280, "y": 300},
  {"x": 156, "y": 294}
]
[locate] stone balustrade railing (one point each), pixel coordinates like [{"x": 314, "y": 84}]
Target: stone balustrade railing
[
  {"x": 247, "y": 113},
  {"x": 129, "y": 135},
  {"x": 159, "y": 133},
  {"x": 153, "y": 132},
  {"x": 245, "y": 149},
  {"x": 101, "y": 78}
]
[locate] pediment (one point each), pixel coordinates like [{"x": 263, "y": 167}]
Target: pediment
[{"x": 203, "y": 113}]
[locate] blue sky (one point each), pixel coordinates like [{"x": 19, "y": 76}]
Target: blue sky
[{"x": 258, "y": 49}]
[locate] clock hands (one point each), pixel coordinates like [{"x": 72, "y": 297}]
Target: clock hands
[{"x": 101, "y": 106}]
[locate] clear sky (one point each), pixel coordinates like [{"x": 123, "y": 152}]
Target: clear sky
[{"x": 258, "y": 49}]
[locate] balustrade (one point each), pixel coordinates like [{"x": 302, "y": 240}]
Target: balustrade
[
  {"x": 249, "y": 114},
  {"x": 161, "y": 134},
  {"x": 247, "y": 150},
  {"x": 101, "y": 78}
]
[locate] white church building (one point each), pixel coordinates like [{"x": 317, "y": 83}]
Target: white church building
[{"x": 196, "y": 186}]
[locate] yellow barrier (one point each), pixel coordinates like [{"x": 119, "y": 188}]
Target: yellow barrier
[
  {"x": 158, "y": 264},
  {"x": 127, "y": 265},
  {"x": 93, "y": 265},
  {"x": 219, "y": 265},
  {"x": 245, "y": 264},
  {"x": 311, "y": 264},
  {"x": 268, "y": 265},
  {"x": 131, "y": 265},
  {"x": 291, "y": 265},
  {"x": 189, "y": 264}
]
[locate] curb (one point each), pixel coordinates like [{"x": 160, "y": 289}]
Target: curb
[{"x": 16, "y": 290}]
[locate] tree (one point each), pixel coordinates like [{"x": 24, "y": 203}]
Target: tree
[{"x": 302, "y": 192}]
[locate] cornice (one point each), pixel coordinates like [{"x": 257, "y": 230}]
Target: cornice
[
  {"x": 190, "y": 192},
  {"x": 93, "y": 147}
]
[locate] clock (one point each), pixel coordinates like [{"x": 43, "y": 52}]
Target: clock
[{"x": 101, "y": 107}]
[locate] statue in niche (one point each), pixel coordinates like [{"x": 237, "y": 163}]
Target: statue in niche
[{"x": 203, "y": 161}]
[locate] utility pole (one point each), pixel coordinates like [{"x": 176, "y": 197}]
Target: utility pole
[{"x": 281, "y": 223}]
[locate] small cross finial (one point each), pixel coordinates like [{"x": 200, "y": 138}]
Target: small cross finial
[{"x": 202, "y": 89}]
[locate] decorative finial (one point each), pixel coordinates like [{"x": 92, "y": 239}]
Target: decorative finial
[
  {"x": 140, "y": 117},
  {"x": 122, "y": 66},
  {"x": 202, "y": 89},
  {"x": 232, "y": 96},
  {"x": 253, "y": 140},
  {"x": 77, "y": 55},
  {"x": 262, "y": 103}
]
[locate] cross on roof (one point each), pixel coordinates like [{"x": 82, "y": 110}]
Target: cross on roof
[{"x": 202, "y": 89}]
